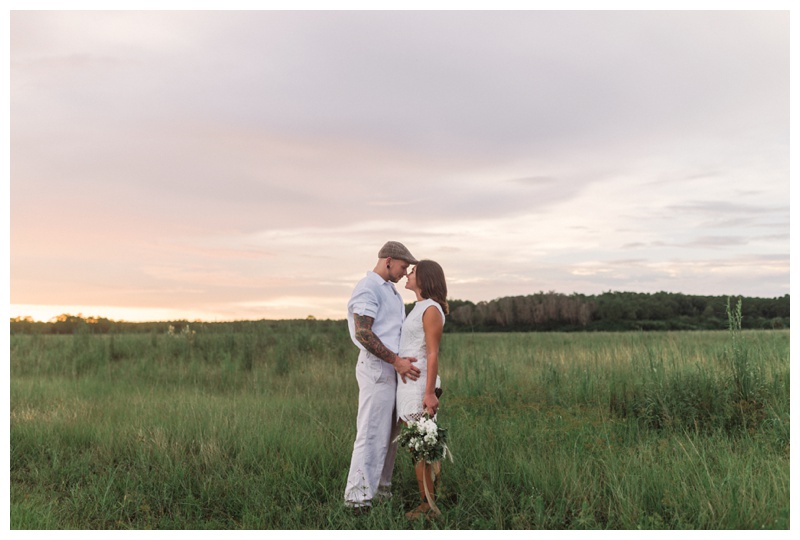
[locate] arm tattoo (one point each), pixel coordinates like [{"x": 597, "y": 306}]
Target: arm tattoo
[{"x": 369, "y": 340}]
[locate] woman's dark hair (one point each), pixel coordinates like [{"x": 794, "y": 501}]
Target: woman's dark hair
[{"x": 430, "y": 280}]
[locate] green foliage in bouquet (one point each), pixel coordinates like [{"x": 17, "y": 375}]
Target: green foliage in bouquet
[{"x": 425, "y": 440}]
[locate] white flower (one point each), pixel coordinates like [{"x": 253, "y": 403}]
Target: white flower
[
  {"x": 424, "y": 439},
  {"x": 428, "y": 426}
]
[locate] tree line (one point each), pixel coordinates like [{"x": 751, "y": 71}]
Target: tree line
[
  {"x": 614, "y": 311},
  {"x": 79, "y": 324},
  {"x": 609, "y": 311}
]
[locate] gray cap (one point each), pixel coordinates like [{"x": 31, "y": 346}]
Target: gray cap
[{"x": 396, "y": 250}]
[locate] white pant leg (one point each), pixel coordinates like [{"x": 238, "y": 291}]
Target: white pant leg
[
  {"x": 373, "y": 450},
  {"x": 385, "y": 484}
]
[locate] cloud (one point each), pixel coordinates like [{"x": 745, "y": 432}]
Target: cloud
[
  {"x": 203, "y": 159},
  {"x": 718, "y": 241}
]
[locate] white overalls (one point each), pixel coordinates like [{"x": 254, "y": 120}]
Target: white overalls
[{"x": 372, "y": 464}]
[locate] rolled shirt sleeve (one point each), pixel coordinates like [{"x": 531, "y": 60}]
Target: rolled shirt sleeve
[
  {"x": 364, "y": 302},
  {"x": 376, "y": 298}
]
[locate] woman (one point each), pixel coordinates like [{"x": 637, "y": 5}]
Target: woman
[{"x": 420, "y": 338}]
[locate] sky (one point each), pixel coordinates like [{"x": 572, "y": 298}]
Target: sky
[{"x": 230, "y": 165}]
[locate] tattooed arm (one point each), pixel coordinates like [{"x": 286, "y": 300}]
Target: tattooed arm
[{"x": 371, "y": 342}]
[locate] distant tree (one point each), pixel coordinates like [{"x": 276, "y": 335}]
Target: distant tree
[{"x": 607, "y": 311}]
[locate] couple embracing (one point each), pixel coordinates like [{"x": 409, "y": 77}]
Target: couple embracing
[{"x": 397, "y": 368}]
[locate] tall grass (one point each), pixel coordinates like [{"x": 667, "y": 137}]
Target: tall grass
[{"x": 252, "y": 428}]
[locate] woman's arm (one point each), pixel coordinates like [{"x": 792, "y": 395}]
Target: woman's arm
[{"x": 432, "y": 324}]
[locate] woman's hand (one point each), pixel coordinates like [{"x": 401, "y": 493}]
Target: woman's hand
[{"x": 430, "y": 404}]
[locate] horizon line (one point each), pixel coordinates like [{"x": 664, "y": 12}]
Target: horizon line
[{"x": 79, "y": 310}]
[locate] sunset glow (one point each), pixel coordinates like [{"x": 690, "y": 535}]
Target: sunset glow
[{"x": 206, "y": 165}]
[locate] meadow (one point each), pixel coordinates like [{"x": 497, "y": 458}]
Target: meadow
[{"x": 251, "y": 426}]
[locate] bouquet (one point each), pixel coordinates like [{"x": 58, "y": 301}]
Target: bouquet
[{"x": 425, "y": 440}]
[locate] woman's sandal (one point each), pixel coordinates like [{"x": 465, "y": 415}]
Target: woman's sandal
[
  {"x": 421, "y": 510},
  {"x": 425, "y": 510}
]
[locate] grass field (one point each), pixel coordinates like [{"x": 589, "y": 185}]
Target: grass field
[{"x": 252, "y": 426}]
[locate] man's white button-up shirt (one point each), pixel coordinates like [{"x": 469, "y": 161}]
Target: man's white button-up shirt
[{"x": 375, "y": 297}]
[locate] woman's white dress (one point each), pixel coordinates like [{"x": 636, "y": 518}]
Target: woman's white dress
[{"x": 412, "y": 343}]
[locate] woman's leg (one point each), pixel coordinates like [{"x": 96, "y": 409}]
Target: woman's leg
[
  {"x": 424, "y": 479},
  {"x": 423, "y": 508}
]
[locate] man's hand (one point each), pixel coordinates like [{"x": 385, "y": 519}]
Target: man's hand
[{"x": 405, "y": 368}]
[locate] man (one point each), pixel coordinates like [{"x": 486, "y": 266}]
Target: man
[{"x": 375, "y": 315}]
